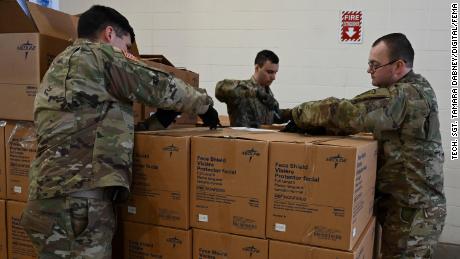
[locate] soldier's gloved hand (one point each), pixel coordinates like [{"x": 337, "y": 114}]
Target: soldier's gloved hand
[
  {"x": 286, "y": 114},
  {"x": 210, "y": 118},
  {"x": 141, "y": 126},
  {"x": 282, "y": 116},
  {"x": 291, "y": 127},
  {"x": 266, "y": 98},
  {"x": 165, "y": 117}
]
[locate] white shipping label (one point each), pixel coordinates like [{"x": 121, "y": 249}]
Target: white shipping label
[
  {"x": 17, "y": 189},
  {"x": 280, "y": 227},
  {"x": 202, "y": 218},
  {"x": 131, "y": 210}
]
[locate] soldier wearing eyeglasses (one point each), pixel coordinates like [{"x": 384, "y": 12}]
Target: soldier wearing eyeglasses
[{"x": 402, "y": 114}]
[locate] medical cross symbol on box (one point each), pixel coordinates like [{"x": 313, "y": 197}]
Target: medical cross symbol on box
[{"x": 351, "y": 27}]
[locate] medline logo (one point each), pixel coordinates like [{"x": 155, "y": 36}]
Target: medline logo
[
  {"x": 171, "y": 148},
  {"x": 174, "y": 241},
  {"x": 251, "y": 250},
  {"x": 26, "y": 47},
  {"x": 251, "y": 153},
  {"x": 336, "y": 159}
]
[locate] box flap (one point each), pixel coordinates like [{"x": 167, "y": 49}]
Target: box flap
[
  {"x": 231, "y": 133},
  {"x": 282, "y": 137},
  {"x": 53, "y": 23},
  {"x": 134, "y": 49},
  {"x": 351, "y": 141},
  {"x": 158, "y": 59},
  {"x": 14, "y": 19},
  {"x": 181, "y": 132},
  {"x": 264, "y": 135},
  {"x": 276, "y": 136}
]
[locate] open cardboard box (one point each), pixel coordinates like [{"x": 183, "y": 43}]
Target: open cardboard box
[
  {"x": 31, "y": 39},
  {"x": 161, "y": 63}
]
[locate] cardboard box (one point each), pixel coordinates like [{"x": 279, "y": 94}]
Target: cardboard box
[
  {"x": 378, "y": 241},
  {"x": 210, "y": 244},
  {"x": 2, "y": 161},
  {"x": 161, "y": 180},
  {"x": 31, "y": 39},
  {"x": 148, "y": 241},
  {"x": 3, "y": 241},
  {"x": 19, "y": 244},
  {"x": 161, "y": 63},
  {"x": 321, "y": 190},
  {"x": 157, "y": 59},
  {"x": 362, "y": 250},
  {"x": 229, "y": 183},
  {"x": 160, "y": 192},
  {"x": 21, "y": 146}
]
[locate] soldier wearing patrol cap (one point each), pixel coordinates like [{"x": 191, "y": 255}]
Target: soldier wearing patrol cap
[
  {"x": 402, "y": 113},
  {"x": 84, "y": 119},
  {"x": 251, "y": 103}
]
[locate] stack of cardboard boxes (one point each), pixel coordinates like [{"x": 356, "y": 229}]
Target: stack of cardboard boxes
[
  {"x": 31, "y": 38},
  {"x": 252, "y": 195},
  {"x": 156, "y": 220},
  {"x": 316, "y": 191}
]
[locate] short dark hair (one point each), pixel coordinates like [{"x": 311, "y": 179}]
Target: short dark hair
[
  {"x": 98, "y": 17},
  {"x": 265, "y": 55},
  {"x": 399, "y": 46}
]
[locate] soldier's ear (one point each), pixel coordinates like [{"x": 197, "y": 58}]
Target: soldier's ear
[
  {"x": 400, "y": 64},
  {"x": 401, "y": 68},
  {"x": 107, "y": 34},
  {"x": 256, "y": 68}
]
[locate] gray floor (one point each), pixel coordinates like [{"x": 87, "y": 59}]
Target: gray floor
[{"x": 447, "y": 251}]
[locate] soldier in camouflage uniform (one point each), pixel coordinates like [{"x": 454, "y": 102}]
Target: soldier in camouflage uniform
[
  {"x": 251, "y": 103},
  {"x": 402, "y": 113},
  {"x": 84, "y": 120}
]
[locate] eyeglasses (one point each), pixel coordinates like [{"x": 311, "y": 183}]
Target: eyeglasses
[{"x": 373, "y": 67}]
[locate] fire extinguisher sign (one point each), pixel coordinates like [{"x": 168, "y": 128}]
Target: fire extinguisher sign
[{"x": 351, "y": 29}]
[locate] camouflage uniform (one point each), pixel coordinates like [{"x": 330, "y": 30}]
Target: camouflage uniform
[
  {"x": 404, "y": 119},
  {"x": 248, "y": 103},
  {"x": 84, "y": 120},
  {"x": 70, "y": 227}
]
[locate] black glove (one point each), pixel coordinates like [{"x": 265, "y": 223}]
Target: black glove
[
  {"x": 291, "y": 127},
  {"x": 166, "y": 117},
  {"x": 210, "y": 118},
  {"x": 141, "y": 126},
  {"x": 282, "y": 116}
]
